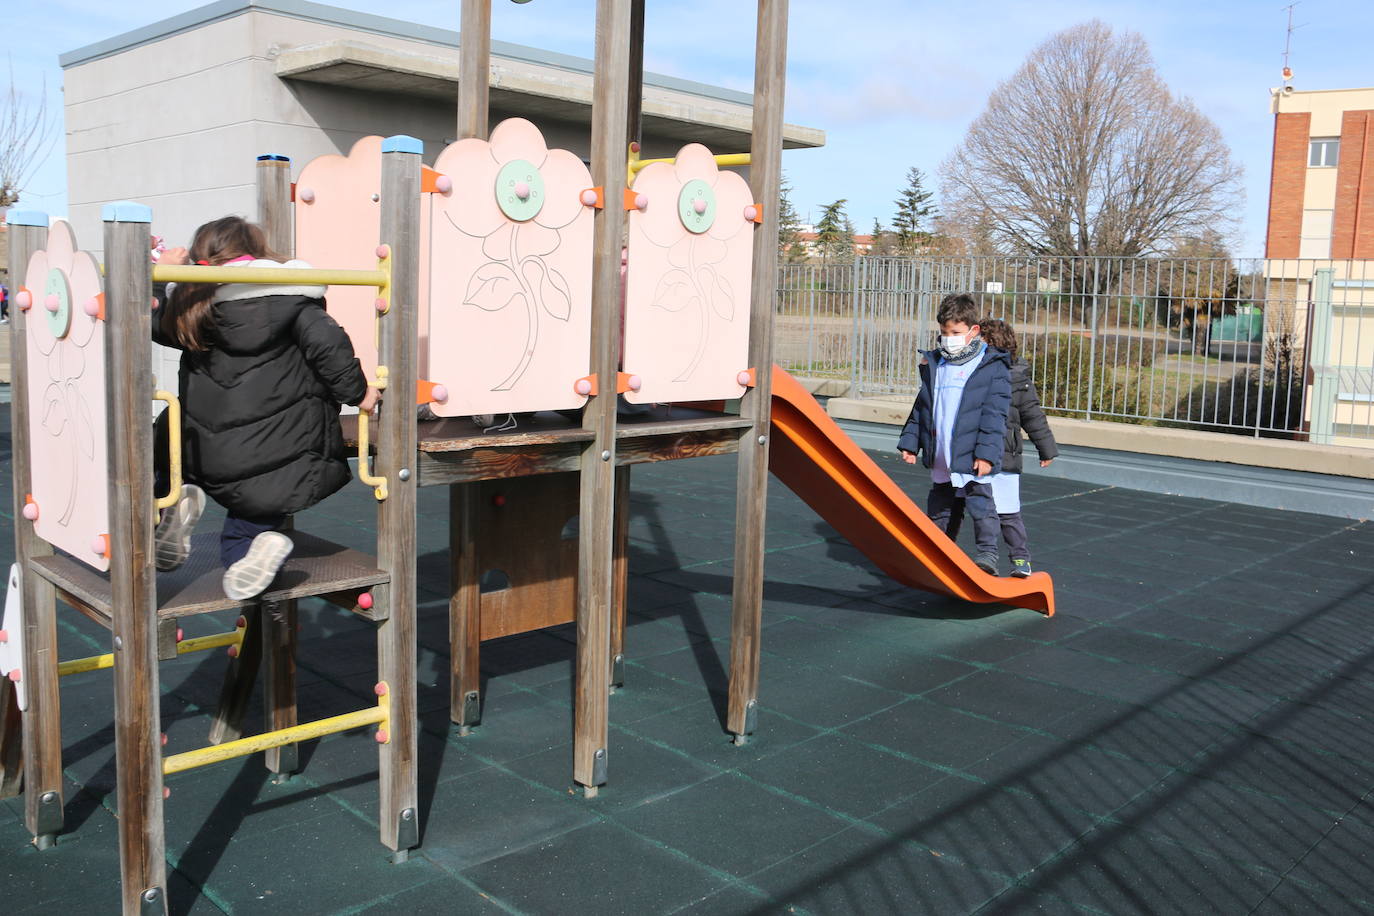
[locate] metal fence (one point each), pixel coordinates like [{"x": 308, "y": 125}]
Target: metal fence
[{"x": 1260, "y": 347}]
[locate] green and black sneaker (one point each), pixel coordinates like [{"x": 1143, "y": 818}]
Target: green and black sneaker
[{"x": 1020, "y": 568}]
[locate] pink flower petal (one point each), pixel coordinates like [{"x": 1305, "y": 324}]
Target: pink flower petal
[
  {"x": 565, "y": 178},
  {"x": 695, "y": 161},
  {"x": 732, "y": 197},
  {"x": 516, "y": 138},
  {"x": 659, "y": 221},
  {"x": 472, "y": 207}
]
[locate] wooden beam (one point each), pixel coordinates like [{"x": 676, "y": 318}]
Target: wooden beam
[
  {"x": 464, "y": 607},
  {"x": 396, "y": 535},
  {"x": 634, "y": 111},
  {"x": 275, "y": 213},
  {"x": 474, "y": 68},
  {"x": 595, "y": 585},
  {"x": 133, "y": 585},
  {"x": 38, "y": 742},
  {"x": 751, "y": 502}
]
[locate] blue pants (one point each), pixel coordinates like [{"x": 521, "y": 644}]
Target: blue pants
[
  {"x": 238, "y": 533},
  {"x": 946, "y": 509}
]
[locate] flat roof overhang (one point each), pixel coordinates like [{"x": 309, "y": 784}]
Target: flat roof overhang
[{"x": 535, "y": 92}]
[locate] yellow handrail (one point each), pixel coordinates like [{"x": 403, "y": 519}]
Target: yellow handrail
[
  {"x": 310, "y": 276},
  {"x": 196, "y": 644},
  {"x": 173, "y": 447},
  {"x": 365, "y": 475},
  {"x": 726, "y": 159},
  {"x": 379, "y": 714}
]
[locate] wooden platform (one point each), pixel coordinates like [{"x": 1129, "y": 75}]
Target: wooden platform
[{"x": 315, "y": 567}]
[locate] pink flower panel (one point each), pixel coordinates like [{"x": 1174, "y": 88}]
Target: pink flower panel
[
  {"x": 338, "y": 227},
  {"x": 510, "y": 275},
  {"x": 688, "y": 281},
  {"x": 65, "y": 348}
]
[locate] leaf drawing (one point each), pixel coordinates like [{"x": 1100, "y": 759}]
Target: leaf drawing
[
  {"x": 675, "y": 291},
  {"x": 54, "y": 410},
  {"x": 492, "y": 287},
  {"x": 551, "y": 290},
  {"x": 718, "y": 293}
]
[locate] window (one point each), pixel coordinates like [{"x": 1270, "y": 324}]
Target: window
[
  {"x": 1316, "y": 234},
  {"x": 1322, "y": 152}
]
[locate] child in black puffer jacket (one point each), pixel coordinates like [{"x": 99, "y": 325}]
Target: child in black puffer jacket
[
  {"x": 1025, "y": 414},
  {"x": 263, "y": 372}
]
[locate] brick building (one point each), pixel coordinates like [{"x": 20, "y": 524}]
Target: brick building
[{"x": 1321, "y": 188}]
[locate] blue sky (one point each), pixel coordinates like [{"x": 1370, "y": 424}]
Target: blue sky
[{"x": 894, "y": 83}]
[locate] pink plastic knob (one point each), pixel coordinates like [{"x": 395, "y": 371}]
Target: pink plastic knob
[
  {"x": 31, "y": 511},
  {"x": 641, "y": 201},
  {"x": 440, "y": 394},
  {"x": 166, "y": 792},
  {"x": 634, "y": 146},
  {"x": 306, "y": 195},
  {"x": 636, "y": 383},
  {"x": 743, "y": 377},
  {"x": 751, "y": 213},
  {"x": 92, "y": 307},
  {"x": 379, "y": 689},
  {"x": 699, "y": 206},
  {"x": 233, "y": 651},
  {"x": 583, "y": 387},
  {"x": 382, "y": 304},
  {"x": 98, "y": 545},
  {"x": 589, "y": 198},
  {"x": 241, "y": 623},
  {"x": 498, "y": 500},
  {"x": 4, "y": 636},
  {"x": 383, "y": 252},
  {"x": 23, "y": 299},
  {"x": 51, "y": 302},
  {"x": 15, "y": 675},
  {"x": 382, "y": 736},
  {"x": 164, "y": 739},
  {"x": 444, "y": 184},
  {"x": 365, "y": 601},
  {"x": 522, "y": 190},
  {"x": 181, "y": 634}
]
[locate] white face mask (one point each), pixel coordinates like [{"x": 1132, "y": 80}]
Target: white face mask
[{"x": 954, "y": 343}]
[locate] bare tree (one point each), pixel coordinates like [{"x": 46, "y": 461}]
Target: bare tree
[
  {"x": 1085, "y": 151},
  {"x": 26, "y": 135}
]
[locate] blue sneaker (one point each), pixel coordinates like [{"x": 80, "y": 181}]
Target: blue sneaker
[
  {"x": 987, "y": 562},
  {"x": 1020, "y": 568}
]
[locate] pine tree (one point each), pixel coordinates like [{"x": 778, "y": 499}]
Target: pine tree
[
  {"x": 835, "y": 234},
  {"x": 915, "y": 213},
  {"x": 791, "y": 249}
]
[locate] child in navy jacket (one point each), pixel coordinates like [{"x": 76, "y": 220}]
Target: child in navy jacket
[{"x": 958, "y": 424}]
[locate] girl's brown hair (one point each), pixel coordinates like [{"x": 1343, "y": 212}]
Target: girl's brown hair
[
  {"x": 189, "y": 315},
  {"x": 999, "y": 334}
]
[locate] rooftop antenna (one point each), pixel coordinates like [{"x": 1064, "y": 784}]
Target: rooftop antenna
[{"x": 1288, "y": 41}]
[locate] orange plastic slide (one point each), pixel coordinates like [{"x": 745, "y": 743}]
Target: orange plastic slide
[{"x": 846, "y": 487}]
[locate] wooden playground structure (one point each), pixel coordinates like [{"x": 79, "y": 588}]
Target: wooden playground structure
[{"x": 520, "y": 314}]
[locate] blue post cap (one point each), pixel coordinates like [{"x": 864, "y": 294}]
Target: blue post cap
[
  {"x": 274, "y": 158},
  {"x": 402, "y": 144},
  {"x": 28, "y": 218},
  {"x": 126, "y": 211}
]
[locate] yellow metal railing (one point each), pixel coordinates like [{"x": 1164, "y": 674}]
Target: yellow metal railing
[
  {"x": 309, "y": 276},
  {"x": 725, "y": 159},
  {"x": 173, "y": 448},
  {"x": 379, "y": 715},
  {"x": 365, "y": 474},
  {"x": 196, "y": 644}
]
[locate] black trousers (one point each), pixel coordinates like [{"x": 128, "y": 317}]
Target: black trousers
[
  {"x": 1014, "y": 533},
  {"x": 946, "y": 507}
]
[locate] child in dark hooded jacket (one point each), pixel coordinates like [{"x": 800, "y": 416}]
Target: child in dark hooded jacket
[{"x": 264, "y": 370}]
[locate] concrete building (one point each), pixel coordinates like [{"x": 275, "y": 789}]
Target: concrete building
[{"x": 174, "y": 114}]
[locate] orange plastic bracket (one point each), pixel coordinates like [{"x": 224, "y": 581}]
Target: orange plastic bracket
[
  {"x": 758, "y": 213},
  {"x": 429, "y": 180},
  {"x": 293, "y": 192},
  {"x": 630, "y": 198},
  {"x": 27, "y": 298},
  {"x": 600, "y": 202},
  {"x": 100, "y": 306},
  {"x": 622, "y": 382},
  {"x": 586, "y": 385},
  {"x": 753, "y": 378},
  {"x": 429, "y": 392}
]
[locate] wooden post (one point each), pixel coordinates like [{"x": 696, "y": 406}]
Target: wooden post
[
  {"x": 396, "y": 536},
  {"x": 275, "y": 214},
  {"x": 133, "y": 591},
  {"x": 277, "y": 219},
  {"x": 751, "y": 501},
  {"x": 464, "y": 608},
  {"x": 634, "y": 109},
  {"x": 474, "y": 68},
  {"x": 41, "y": 726},
  {"x": 620, "y": 588},
  {"x": 239, "y": 678},
  {"x": 595, "y": 584}
]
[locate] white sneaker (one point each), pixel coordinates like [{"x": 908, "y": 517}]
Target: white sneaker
[
  {"x": 172, "y": 537},
  {"x": 251, "y": 575}
]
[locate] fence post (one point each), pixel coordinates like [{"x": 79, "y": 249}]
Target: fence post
[
  {"x": 1325, "y": 379},
  {"x": 1092, "y": 348}
]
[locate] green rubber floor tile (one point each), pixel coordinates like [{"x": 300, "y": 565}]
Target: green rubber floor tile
[
  {"x": 441, "y": 896},
  {"x": 1070, "y": 775},
  {"x": 732, "y": 824},
  {"x": 1189, "y": 629},
  {"x": 699, "y": 730},
  {"x": 1007, "y": 698},
  {"x": 825, "y": 700},
  {"x": 1283, "y": 770},
  {"x": 1120, "y": 871},
  {"x": 1255, "y": 830},
  {"x": 640, "y": 772},
  {"x": 702, "y": 666},
  {"x": 644, "y": 638},
  {"x": 859, "y": 871},
  {"x": 934, "y": 733},
  {"x": 1140, "y": 733},
  {"x": 891, "y": 666},
  {"x": 735, "y": 899},
  {"x": 1207, "y": 700},
  {"x": 514, "y": 726},
  {"x": 1091, "y": 675},
  {"x": 1319, "y": 729},
  {"x": 492, "y": 813},
  {"x": 984, "y": 826},
  {"x": 601, "y": 868},
  {"x": 644, "y": 694},
  {"x": 843, "y": 775}
]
